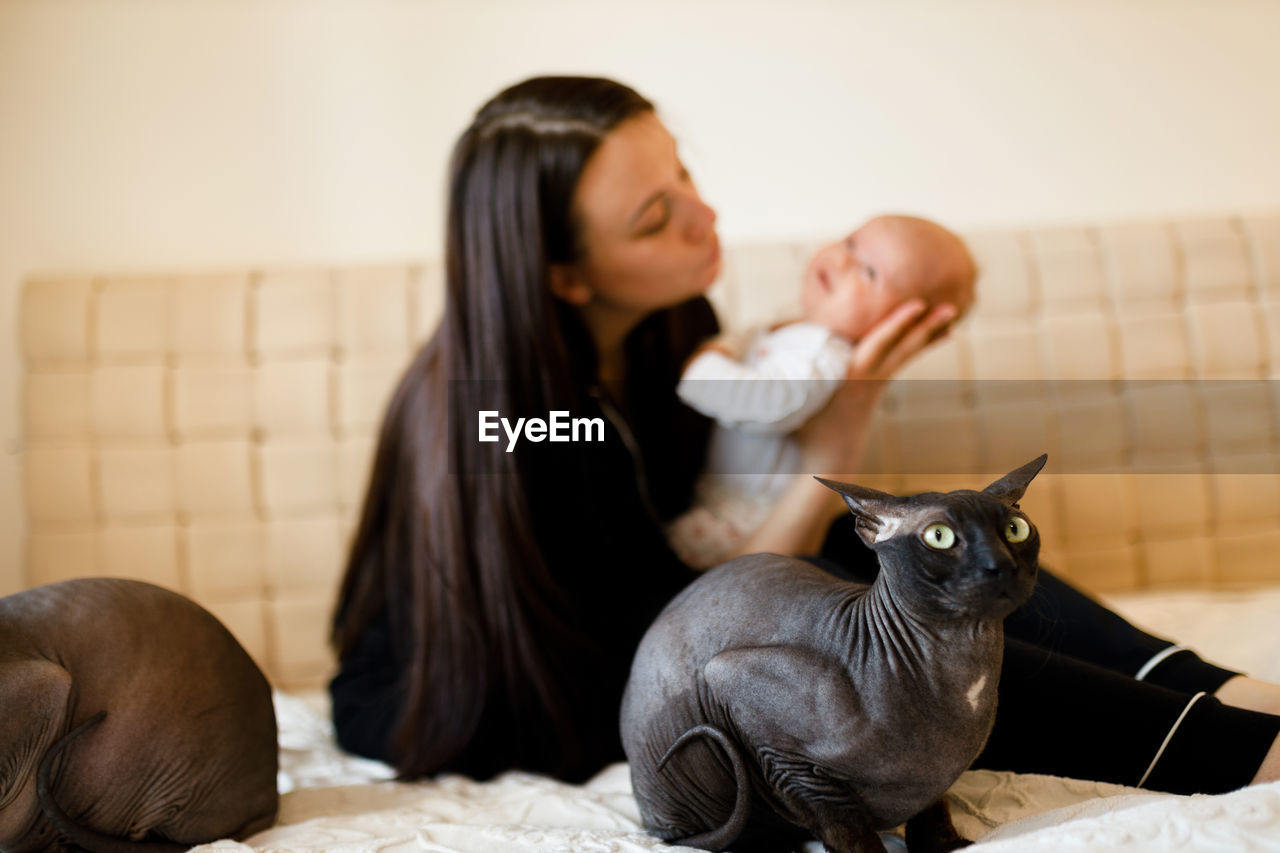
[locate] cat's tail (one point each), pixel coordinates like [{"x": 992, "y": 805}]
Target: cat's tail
[
  {"x": 728, "y": 832},
  {"x": 83, "y": 836}
]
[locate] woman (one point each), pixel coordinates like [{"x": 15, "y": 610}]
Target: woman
[{"x": 493, "y": 600}]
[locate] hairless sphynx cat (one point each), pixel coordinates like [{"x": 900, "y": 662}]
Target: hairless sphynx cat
[
  {"x": 130, "y": 720},
  {"x": 772, "y": 702}
]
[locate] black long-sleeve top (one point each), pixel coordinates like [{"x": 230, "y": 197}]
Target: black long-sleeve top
[{"x": 598, "y": 512}]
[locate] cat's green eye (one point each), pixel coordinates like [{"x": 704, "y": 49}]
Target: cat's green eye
[
  {"x": 1017, "y": 530},
  {"x": 939, "y": 536}
]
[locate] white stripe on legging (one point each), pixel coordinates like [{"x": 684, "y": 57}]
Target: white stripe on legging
[
  {"x": 1169, "y": 736},
  {"x": 1156, "y": 660}
]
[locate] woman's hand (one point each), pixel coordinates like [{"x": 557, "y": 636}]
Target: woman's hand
[
  {"x": 899, "y": 337},
  {"x": 833, "y": 440}
]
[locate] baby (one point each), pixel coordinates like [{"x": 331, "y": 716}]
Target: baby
[{"x": 764, "y": 384}]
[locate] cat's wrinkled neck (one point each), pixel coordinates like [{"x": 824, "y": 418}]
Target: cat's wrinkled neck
[
  {"x": 927, "y": 615},
  {"x": 944, "y": 653}
]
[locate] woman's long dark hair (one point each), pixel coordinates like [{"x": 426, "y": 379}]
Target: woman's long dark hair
[{"x": 445, "y": 550}]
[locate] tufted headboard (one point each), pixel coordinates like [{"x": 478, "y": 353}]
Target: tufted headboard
[{"x": 211, "y": 431}]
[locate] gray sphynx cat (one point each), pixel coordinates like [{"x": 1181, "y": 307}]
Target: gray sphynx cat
[
  {"x": 772, "y": 702},
  {"x": 130, "y": 720}
]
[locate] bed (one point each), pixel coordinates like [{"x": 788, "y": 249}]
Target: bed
[
  {"x": 211, "y": 431},
  {"x": 334, "y": 801}
]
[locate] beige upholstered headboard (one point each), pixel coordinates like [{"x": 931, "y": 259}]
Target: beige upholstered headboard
[{"x": 211, "y": 431}]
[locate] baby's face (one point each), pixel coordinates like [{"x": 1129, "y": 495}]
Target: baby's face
[{"x": 854, "y": 283}]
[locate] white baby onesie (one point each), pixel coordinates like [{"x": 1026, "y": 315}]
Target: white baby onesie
[{"x": 781, "y": 379}]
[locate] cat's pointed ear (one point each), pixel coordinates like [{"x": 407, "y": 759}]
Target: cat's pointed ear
[
  {"x": 878, "y": 514},
  {"x": 1010, "y": 488}
]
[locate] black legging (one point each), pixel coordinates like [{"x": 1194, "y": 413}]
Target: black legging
[{"x": 1070, "y": 705}]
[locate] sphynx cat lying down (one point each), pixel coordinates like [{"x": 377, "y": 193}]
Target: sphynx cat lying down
[{"x": 130, "y": 720}]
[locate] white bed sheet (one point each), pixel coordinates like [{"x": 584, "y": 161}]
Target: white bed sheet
[{"x": 332, "y": 801}]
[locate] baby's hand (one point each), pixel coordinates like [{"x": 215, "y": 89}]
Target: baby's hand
[
  {"x": 729, "y": 344},
  {"x": 717, "y": 344}
]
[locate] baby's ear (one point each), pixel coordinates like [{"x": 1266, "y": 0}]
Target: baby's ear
[
  {"x": 878, "y": 514},
  {"x": 567, "y": 286}
]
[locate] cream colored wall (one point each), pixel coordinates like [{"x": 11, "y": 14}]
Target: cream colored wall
[{"x": 142, "y": 134}]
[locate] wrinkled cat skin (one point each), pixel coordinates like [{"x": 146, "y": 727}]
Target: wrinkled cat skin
[
  {"x": 130, "y": 720},
  {"x": 771, "y": 702}
]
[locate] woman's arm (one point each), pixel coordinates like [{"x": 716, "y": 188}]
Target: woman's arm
[
  {"x": 367, "y": 694},
  {"x": 833, "y": 441}
]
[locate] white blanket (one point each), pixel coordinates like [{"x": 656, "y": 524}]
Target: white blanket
[{"x": 332, "y": 801}]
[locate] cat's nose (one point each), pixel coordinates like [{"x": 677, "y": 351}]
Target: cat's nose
[
  {"x": 997, "y": 566},
  {"x": 998, "y": 569},
  {"x": 991, "y": 561}
]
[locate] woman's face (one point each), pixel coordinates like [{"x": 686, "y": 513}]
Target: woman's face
[{"x": 648, "y": 240}]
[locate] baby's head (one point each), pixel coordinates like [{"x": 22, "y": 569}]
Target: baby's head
[{"x": 852, "y": 284}]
